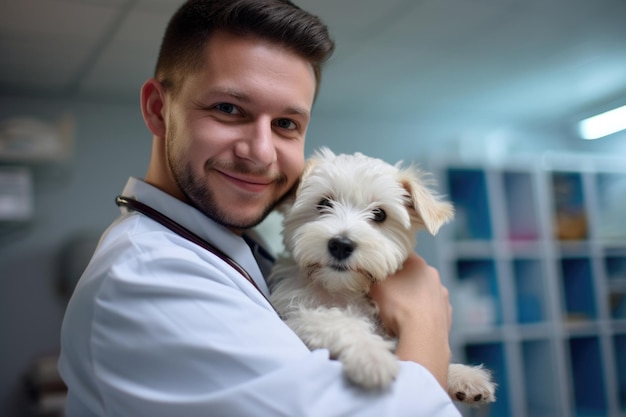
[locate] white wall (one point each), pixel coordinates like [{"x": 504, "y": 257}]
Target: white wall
[{"x": 420, "y": 141}]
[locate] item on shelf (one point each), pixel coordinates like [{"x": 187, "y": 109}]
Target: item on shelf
[
  {"x": 617, "y": 304},
  {"x": 27, "y": 139},
  {"x": 472, "y": 309},
  {"x": 16, "y": 194},
  {"x": 570, "y": 217}
]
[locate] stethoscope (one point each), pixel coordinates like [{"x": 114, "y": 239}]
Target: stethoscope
[{"x": 182, "y": 231}]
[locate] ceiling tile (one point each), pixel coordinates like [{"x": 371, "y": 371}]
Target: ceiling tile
[
  {"x": 62, "y": 19},
  {"x": 119, "y": 72},
  {"x": 42, "y": 64},
  {"x": 143, "y": 26}
]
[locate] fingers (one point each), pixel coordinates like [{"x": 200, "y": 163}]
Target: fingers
[{"x": 412, "y": 293}]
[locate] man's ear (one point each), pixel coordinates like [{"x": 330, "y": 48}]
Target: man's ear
[{"x": 152, "y": 105}]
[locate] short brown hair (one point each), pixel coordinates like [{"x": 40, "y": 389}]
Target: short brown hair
[{"x": 278, "y": 21}]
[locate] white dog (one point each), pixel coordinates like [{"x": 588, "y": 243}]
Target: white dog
[{"x": 352, "y": 222}]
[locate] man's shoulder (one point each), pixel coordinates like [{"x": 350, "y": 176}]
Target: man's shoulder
[
  {"x": 135, "y": 232},
  {"x": 136, "y": 245}
]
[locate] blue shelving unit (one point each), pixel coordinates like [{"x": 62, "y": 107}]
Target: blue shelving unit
[{"x": 538, "y": 243}]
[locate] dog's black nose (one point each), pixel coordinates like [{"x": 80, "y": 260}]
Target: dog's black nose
[{"x": 340, "y": 247}]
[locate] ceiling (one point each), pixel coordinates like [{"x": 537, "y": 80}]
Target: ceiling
[{"x": 489, "y": 62}]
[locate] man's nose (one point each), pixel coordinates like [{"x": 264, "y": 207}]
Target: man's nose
[{"x": 258, "y": 144}]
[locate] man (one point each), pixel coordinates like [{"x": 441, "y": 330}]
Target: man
[{"x": 161, "y": 324}]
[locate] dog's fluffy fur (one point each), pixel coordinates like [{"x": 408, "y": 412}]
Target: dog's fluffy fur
[{"x": 352, "y": 222}]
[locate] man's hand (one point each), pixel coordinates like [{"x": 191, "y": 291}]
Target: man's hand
[{"x": 415, "y": 307}]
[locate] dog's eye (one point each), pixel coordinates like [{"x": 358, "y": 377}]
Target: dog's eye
[
  {"x": 379, "y": 215},
  {"x": 324, "y": 203}
]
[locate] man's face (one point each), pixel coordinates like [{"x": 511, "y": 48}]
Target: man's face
[{"x": 235, "y": 132}]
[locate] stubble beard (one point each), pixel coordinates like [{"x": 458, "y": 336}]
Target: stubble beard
[
  {"x": 200, "y": 196},
  {"x": 205, "y": 200}
]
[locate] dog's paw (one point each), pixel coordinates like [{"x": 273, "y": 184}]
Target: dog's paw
[
  {"x": 470, "y": 384},
  {"x": 370, "y": 368}
]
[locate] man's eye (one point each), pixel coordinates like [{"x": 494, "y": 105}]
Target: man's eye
[
  {"x": 379, "y": 215},
  {"x": 227, "y": 108},
  {"x": 285, "y": 124},
  {"x": 324, "y": 203}
]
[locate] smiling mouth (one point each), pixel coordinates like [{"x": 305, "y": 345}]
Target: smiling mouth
[
  {"x": 248, "y": 180},
  {"x": 248, "y": 183}
]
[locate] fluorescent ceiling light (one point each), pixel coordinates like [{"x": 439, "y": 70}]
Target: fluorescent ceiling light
[{"x": 603, "y": 124}]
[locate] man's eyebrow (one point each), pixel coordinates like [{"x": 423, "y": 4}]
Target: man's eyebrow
[
  {"x": 298, "y": 111},
  {"x": 245, "y": 98},
  {"x": 230, "y": 91}
]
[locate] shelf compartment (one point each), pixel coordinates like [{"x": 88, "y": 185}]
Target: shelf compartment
[
  {"x": 540, "y": 379},
  {"x": 619, "y": 346},
  {"x": 577, "y": 290},
  {"x": 467, "y": 189},
  {"x": 615, "y": 268},
  {"x": 521, "y": 212},
  {"x": 570, "y": 214},
  {"x": 492, "y": 356},
  {"x": 529, "y": 290},
  {"x": 589, "y": 396},
  {"x": 476, "y": 297},
  {"x": 611, "y": 203}
]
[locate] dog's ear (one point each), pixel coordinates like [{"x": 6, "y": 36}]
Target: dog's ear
[
  {"x": 431, "y": 210},
  {"x": 308, "y": 166},
  {"x": 289, "y": 199},
  {"x": 285, "y": 204}
]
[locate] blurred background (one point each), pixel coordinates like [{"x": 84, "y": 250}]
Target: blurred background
[{"x": 486, "y": 94}]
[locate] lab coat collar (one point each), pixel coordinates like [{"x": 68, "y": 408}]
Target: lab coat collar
[{"x": 231, "y": 244}]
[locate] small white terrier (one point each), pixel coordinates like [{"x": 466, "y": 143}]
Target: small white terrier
[{"x": 352, "y": 222}]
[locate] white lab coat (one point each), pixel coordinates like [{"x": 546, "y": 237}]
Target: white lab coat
[{"x": 158, "y": 326}]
